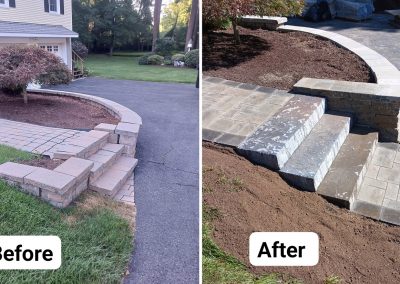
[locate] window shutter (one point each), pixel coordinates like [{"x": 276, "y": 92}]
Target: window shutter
[
  {"x": 62, "y": 7},
  {"x": 46, "y": 6},
  {"x": 12, "y": 3}
]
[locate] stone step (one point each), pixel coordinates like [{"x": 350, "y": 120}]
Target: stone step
[
  {"x": 272, "y": 144},
  {"x": 104, "y": 159},
  {"x": 308, "y": 166},
  {"x": 345, "y": 176},
  {"x": 83, "y": 146},
  {"x": 110, "y": 182}
]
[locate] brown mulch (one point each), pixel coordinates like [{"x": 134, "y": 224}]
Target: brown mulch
[
  {"x": 249, "y": 198},
  {"x": 42, "y": 162},
  {"x": 54, "y": 111},
  {"x": 279, "y": 59}
]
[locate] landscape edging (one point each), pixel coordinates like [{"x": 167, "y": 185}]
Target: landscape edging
[{"x": 385, "y": 72}]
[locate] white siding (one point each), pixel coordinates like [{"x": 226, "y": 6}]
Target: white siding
[{"x": 32, "y": 11}]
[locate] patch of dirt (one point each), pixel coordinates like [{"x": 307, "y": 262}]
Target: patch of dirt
[
  {"x": 42, "y": 162},
  {"x": 279, "y": 60},
  {"x": 245, "y": 198},
  {"x": 54, "y": 111}
]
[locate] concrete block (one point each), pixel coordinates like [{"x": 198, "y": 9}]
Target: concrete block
[
  {"x": 113, "y": 138},
  {"x": 15, "y": 172},
  {"x": 106, "y": 127},
  {"x": 50, "y": 180},
  {"x": 127, "y": 129},
  {"x": 128, "y": 140},
  {"x": 125, "y": 163},
  {"x": 75, "y": 167}
]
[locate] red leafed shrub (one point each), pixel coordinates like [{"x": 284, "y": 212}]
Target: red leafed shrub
[
  {"x": 21, "y": 65},
  {"x": 217, "y": 12}
]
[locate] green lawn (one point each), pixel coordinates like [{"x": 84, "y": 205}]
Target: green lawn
[
  {"x": 125, "y": 66},
  {"x": 96, "y": 241}
]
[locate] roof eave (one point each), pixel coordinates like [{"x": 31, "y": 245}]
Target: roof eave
[{"x": 37, "y": 35}]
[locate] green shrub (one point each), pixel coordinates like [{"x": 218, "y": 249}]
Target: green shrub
[
  {"x": 168, "y": 62},
  {"x": 192, "y": 58},
  {"x": 80, "y": 49},
  {"x": 165, "y": 46},
  {"x": 155, "y": 60},
  {"x": 144, "y": 60},
  {"x": 178, "y": 57}
]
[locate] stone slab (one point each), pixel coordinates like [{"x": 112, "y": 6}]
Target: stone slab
[
  {"x": 75, "y": 167},
  {"x": 50, "y": 180},
  {"x": 125, "y": 163},
  {"x": 15, "y": 172},
  {"x": 309, "y": 164},
  {"x": 127, "y": 129},
  {"x": 347, "y": 171},
  {"x": 115, "y": 148},
  {"x": 106, "y": 127},
  {"x": 110, "y": 182},
  {"x": 64, "y": 152},
  {"x": 272, "y": 143}
]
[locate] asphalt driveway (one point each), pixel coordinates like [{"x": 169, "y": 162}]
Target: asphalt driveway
[{"x": 166, "y": 179}]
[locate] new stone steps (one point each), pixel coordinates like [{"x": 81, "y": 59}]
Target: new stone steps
[
  {"x": 309, "y": 164},
  {"x": 272, "y": 144},
  {"x": 112, "y": 180},
  {"x": 104, "y": 159},
  {"x": 346, "y": 174},
  {"x": 83, "y": 146}
]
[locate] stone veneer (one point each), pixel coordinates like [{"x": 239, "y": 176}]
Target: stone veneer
[{"x": 372, "y": 105}]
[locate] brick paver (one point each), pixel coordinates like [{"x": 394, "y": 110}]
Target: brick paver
[
  {"x": 381, "y": 185},
  {"x": 34, "y": 138},
  {"x": 235, "y": 110}
]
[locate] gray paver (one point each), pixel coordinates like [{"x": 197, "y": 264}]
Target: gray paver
[
  {"x": 50, "y": 180},
  {"x": 272, "y": 143},
  {"x": 330, "y": 132}
]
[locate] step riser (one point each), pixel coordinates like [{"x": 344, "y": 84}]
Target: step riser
[
  {"x": 278, "y": 147},
  {"x": 116, "y": 189},
  {"x": 96, "y": 174},
  {"x": 311, "y": 184}
]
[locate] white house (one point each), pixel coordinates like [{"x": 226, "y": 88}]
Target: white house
[{"x": 45, "y": 23}]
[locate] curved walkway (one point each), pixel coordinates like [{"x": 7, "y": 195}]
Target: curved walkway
[
  {"x": 375, "y": 33},
  {"x": 166, "y": 178}
]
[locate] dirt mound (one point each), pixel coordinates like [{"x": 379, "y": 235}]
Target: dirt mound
[
  {"x": 279, "y": 60},
  {"x": 249, "y": 198}
]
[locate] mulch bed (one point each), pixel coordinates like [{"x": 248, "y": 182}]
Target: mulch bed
[
  {"x": 279, "y": 59},
  {"x": 355, "y": 248},
  {"x": 54, "y": 111}
]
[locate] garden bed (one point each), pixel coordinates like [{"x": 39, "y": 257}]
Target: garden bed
[
  {"x": 54, "y": 111},
  {"x": 279, "y": 59},
  {"x": 244, "y": 198}
]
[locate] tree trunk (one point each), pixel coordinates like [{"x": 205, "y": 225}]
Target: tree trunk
[
  {"x": 236, "y": 35},
  {"x": 156, "y": 27},
  {"x": 191, "y": 30},
  {"x": 25, "y": 95}
]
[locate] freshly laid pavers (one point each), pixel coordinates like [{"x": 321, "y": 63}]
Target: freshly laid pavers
[
  {"x": 344, "y": 178},
  {"x": 309, "y": 164},
  {"x": 273, "y": 143}
]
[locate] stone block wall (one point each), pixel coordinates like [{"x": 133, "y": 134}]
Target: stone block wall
[{"x": 372, "y": 105}]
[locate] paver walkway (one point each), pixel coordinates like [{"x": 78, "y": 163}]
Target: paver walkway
[
  {"x": 34, "y": 138},
  {"x": 166, "y": 246},
  {"x": 232, "y": 110},
  {"x": 379, "y": 195},
  {"x": 375, "y": 33}
]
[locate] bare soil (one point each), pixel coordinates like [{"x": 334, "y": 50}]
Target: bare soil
[
  {"x": 42, "y": 162},
  {"x": 279, "y": 59},
  {"x": 246, "y": 198},
  {"x": 54, "y": 111}
]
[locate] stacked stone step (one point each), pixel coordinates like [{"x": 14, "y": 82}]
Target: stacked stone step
[{"x": 58, "y": 187}]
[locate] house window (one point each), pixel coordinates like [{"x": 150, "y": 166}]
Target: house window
[
  {"x": 4, "y": 3},
  {"x": 50, "y": 48},
  {"x": 54, "y": 6}
]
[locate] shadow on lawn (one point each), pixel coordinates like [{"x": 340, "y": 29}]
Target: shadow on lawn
[{"x": 220, "y": 50}]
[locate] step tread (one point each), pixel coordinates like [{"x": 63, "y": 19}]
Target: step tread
[
  {"x": 113, "y": 179},
  {"x": 309, "y": 163},
  {"x": 349, "y": 167},
  {"x": 104, "y": 158},
  {"x": 273, "y": 143}
]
